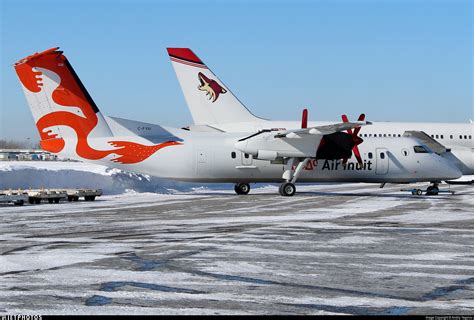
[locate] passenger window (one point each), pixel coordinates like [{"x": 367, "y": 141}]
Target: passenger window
[
  {"x": 441, "y": 136},
  {"x": 432, "y": 136},
  {"x": 382, "y": 155},
  {"x": 450, "y": 136},
  {"x": 370, "y": 155},
  {"x": 370, "y": 134},
  {"x": 465, "y": 137},
  {"x": 399, "y": 135},
  {"x": 420, "y": 149},
  {"x": 389, "y": 134},
  {"x": 384, "y": 134},
  {"x": 470, "y": 137},
  {"x": 437, "y": 137},
  {"x": 380, "y": 134},
  {"x": 246, "y": 155},
  {"x": 233, "y": 155},
  {"x": 460, "y": 137},
  {"x": 405, "y": 152}
]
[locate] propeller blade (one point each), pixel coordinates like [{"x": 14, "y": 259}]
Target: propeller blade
[
  {"x": 346, "y": 119},
  {"x": 355, "y": 138},
  {"x": 361, "y": 118},
  {"x": 304, "y": 119},
  {"x": 356, "y": 152}
]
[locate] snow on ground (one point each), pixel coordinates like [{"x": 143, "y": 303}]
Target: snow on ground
[
  {"x": 66, "y": 174},
  {"x": 150, "y": 247}
]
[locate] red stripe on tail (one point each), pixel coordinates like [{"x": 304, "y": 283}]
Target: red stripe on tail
[{"x": 184, "y": 54}]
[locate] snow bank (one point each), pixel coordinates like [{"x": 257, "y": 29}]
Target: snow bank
[{"x": 56, "y": 174}]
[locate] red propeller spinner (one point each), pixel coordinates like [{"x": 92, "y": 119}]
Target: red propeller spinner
[{"x": 355, "y": 138}]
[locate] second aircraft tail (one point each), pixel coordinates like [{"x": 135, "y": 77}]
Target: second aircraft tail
[{"x": 208, "y": 99}]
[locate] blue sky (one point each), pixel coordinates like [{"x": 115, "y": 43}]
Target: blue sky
[{"x": 394, "y": 60}]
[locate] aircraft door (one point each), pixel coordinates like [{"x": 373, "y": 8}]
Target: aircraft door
[
  {"x": 201, "y": 159},
  {"x": 381, "y": 167}
]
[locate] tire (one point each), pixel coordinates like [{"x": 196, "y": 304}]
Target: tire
[
  {"x": 242, "y": 188},
  {"x": 75, "y": 198},
  {"x": 86, "y": 198},
  {"x": 50, "y": 200},
  {"x": 56, "y": 200},
  {"x": 19, "y": 203},
  {"x": 31, "y": 200},
  {"x": 69, "y": 198},
  {"x": 418, "y": 192},
  {"x": 37, "y": 200},
  {"x": 92, "y": 198},
  {"x": 287, "y": 189},
  {"x": 432, "y": 191}
]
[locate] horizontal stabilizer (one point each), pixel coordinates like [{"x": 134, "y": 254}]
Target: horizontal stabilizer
[{"x": 152, "y": 132}]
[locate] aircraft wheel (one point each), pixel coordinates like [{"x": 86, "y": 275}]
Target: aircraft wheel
[
  {"x": 432, "y": 191},
  {"x": 287, "y": 189},
  {"x": 242, "y": 188}
]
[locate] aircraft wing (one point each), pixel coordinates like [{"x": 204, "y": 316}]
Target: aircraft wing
[{"x": 322, "y": 130}]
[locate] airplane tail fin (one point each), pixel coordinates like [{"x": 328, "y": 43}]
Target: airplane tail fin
[
  {"x": 69, "y": 121},
  {"x": 208, "y": 99},
  {"x": 60, "y": 104}
]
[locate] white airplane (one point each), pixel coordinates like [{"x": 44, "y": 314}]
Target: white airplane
[
  {"x": 71, "y": 125},
  {"x": 221, "y": 110}
]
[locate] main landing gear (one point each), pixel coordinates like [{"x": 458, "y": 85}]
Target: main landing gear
[
  {"x": 242, "y": 188},
  {"x": 287, "y": 188}
]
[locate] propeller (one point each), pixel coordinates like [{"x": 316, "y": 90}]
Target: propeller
[{"x": 355, "y": 138}]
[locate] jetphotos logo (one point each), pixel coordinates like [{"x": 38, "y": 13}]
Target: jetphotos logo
[{"x": 211, "y": 87}]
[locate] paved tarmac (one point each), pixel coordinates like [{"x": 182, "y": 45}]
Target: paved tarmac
[{"x": 330, "y": 249}]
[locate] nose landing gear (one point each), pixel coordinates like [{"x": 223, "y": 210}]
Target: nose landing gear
[{"x": 432, "y": 190}]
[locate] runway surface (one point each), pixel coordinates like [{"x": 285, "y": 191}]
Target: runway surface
[{"x": 330, "y": 249}]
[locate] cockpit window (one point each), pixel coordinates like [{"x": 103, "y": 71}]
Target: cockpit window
[{"x": 421, "y": 149}]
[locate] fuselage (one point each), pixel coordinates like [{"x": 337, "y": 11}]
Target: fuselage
[
  {"x": 458, "y": 137},
  {"x": 213, "y": 157}
]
